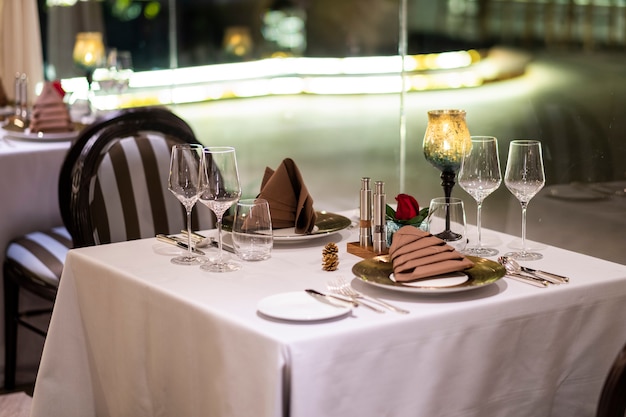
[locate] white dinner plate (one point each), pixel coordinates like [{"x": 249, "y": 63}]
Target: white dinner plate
[
  {"x": 40, "y": 136},
  {"x": 326, "y": 223},
  {"x": 441, "y": 281},
  {"x": 299, "y": 306}
]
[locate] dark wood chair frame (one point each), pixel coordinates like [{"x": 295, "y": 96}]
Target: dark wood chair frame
[
  {"x": 613, "y": 397},
  {"x": 73, "y": 178}
]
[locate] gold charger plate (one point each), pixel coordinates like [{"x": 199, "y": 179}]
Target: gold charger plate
[
  {"x": 376, "y": 271},
  {"x": 325, "y": 224}
]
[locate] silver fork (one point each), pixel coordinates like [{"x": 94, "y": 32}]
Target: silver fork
[{"x": 341, "y": 286}]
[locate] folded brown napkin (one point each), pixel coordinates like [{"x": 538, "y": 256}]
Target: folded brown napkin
[
  {"x": 50, "y": 113},
  {"x": 417, "y": 254},
  {"x": 291, "y": 205}
]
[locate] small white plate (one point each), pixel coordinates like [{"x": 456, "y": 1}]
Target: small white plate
[{"x": 299, "y": 306}]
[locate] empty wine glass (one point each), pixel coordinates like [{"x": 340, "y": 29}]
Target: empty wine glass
[
  {"x": 524, "y": 177},
  {"x": 480, "y": 176},
  {"x": 184, "y": 182},
  {"x": 222, "y": 191}
]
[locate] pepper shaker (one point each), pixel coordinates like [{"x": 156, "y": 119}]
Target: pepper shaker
[
  {"x": 365, "y": 220},
  {"x": 380, "y": 234}
]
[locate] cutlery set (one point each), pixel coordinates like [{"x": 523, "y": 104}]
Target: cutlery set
[
  {"x": 530, "y": 276},
  {"x": 199, "y": 241},
  {"x": 341, "y": 291}
]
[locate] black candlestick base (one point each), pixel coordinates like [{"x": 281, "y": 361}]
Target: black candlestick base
[
  {"x": 448, "y": 236},
  {"x": 447, "y": 182}
]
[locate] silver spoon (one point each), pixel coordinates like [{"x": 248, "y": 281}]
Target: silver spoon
[
  {"x": 548, "y": 276},
  {"x": 515, "y": 273}
]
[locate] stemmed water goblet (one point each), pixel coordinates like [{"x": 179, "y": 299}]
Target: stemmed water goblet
[
  {"x": 480, "y": 176},
  {"x": 524, "y": 177},
  {"x": 185, "y": 183},
  {"x": 222, "y": 190}
]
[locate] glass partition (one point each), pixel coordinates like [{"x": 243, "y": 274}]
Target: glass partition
[{"x": 324, "y": 82}]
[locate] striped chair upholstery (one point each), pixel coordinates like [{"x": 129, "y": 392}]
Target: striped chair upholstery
[
  {"x": 112, "y": 187},
  {"x": 128, "y": 197}
]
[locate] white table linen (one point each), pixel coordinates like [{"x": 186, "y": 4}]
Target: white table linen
[
  {"x": 29, "y": 190},
  {"x": 133, "y": 334}
]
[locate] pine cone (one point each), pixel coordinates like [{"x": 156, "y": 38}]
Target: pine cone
[{"x": 330, "y": 257}]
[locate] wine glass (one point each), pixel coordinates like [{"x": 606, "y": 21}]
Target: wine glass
[
  {"x": 185, "y": 183},
  {"x": 222, "y": 191},
  {"x": 480, "y": 176},
  {"x": 524, "y": 177}
]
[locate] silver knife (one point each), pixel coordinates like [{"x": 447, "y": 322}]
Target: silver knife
[
  {"x": 331, "y": 299},
  {"x": 537, "y": 282},
  {"x": 225, "y": 246},
  {"x": 175, "y": 242}
]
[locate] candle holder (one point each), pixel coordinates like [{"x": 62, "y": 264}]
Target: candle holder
[
  {"x": 445, "y": 139},
  {"x": 88, "y": 55}
]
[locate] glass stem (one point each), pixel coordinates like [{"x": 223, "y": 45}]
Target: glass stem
[
  {"x": 524, "y": 205},
  {"x": 219, "y": 239},
  {"x": 189, "y": 249},
  {"x": 478, "y": 221}
]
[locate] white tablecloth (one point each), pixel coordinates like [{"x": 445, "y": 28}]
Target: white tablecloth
[
  {"x": 134, "y": 335},
  {"x": 29, "y": 189}
]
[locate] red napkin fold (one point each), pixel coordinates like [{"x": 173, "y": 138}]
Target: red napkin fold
[
  {"x": 417, "y": 254},
  {"x": 291, "y": 205}
]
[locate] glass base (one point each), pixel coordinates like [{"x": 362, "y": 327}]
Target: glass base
[
  {"x": 480, "y": 251},
  {"x": 449, "y": 236},
  {"x": 187, "y": 260},
  {"x": 524, "y": 256},
  {"x": 223, "y": 266}
]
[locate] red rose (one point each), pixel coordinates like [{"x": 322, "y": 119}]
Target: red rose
[
  {"x": 57, "y": 86},
  {"x": 407, "y": 207}
]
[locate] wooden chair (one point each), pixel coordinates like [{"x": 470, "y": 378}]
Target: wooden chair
[
  {"x": 112, "y": 187},
  {"x": 613, "y": 397}
]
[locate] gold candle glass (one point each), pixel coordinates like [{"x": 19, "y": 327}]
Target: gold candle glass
[
  {"x": 88, "y": 53},
  {"x": 445, "y": 141}
]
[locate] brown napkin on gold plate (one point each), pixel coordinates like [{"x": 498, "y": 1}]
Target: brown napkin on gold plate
[
  {"x": 291, "y": 205},
  {"x": 417, "y": 254}
]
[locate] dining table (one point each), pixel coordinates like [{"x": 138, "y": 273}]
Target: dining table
[
  {"x": 29, "y": 187},
  {"x": 133, "y": 334}
]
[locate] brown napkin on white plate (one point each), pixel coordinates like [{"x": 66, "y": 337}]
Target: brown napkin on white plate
[
  {"x": 50, "y": 113},
  {"x": 417, "y": 254},
  {"x": 291, "y": 205}
]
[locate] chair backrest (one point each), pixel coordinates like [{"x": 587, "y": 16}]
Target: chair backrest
[
  {"x": 613, "y": 398},
  {"x": 113, "y": 183}
]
